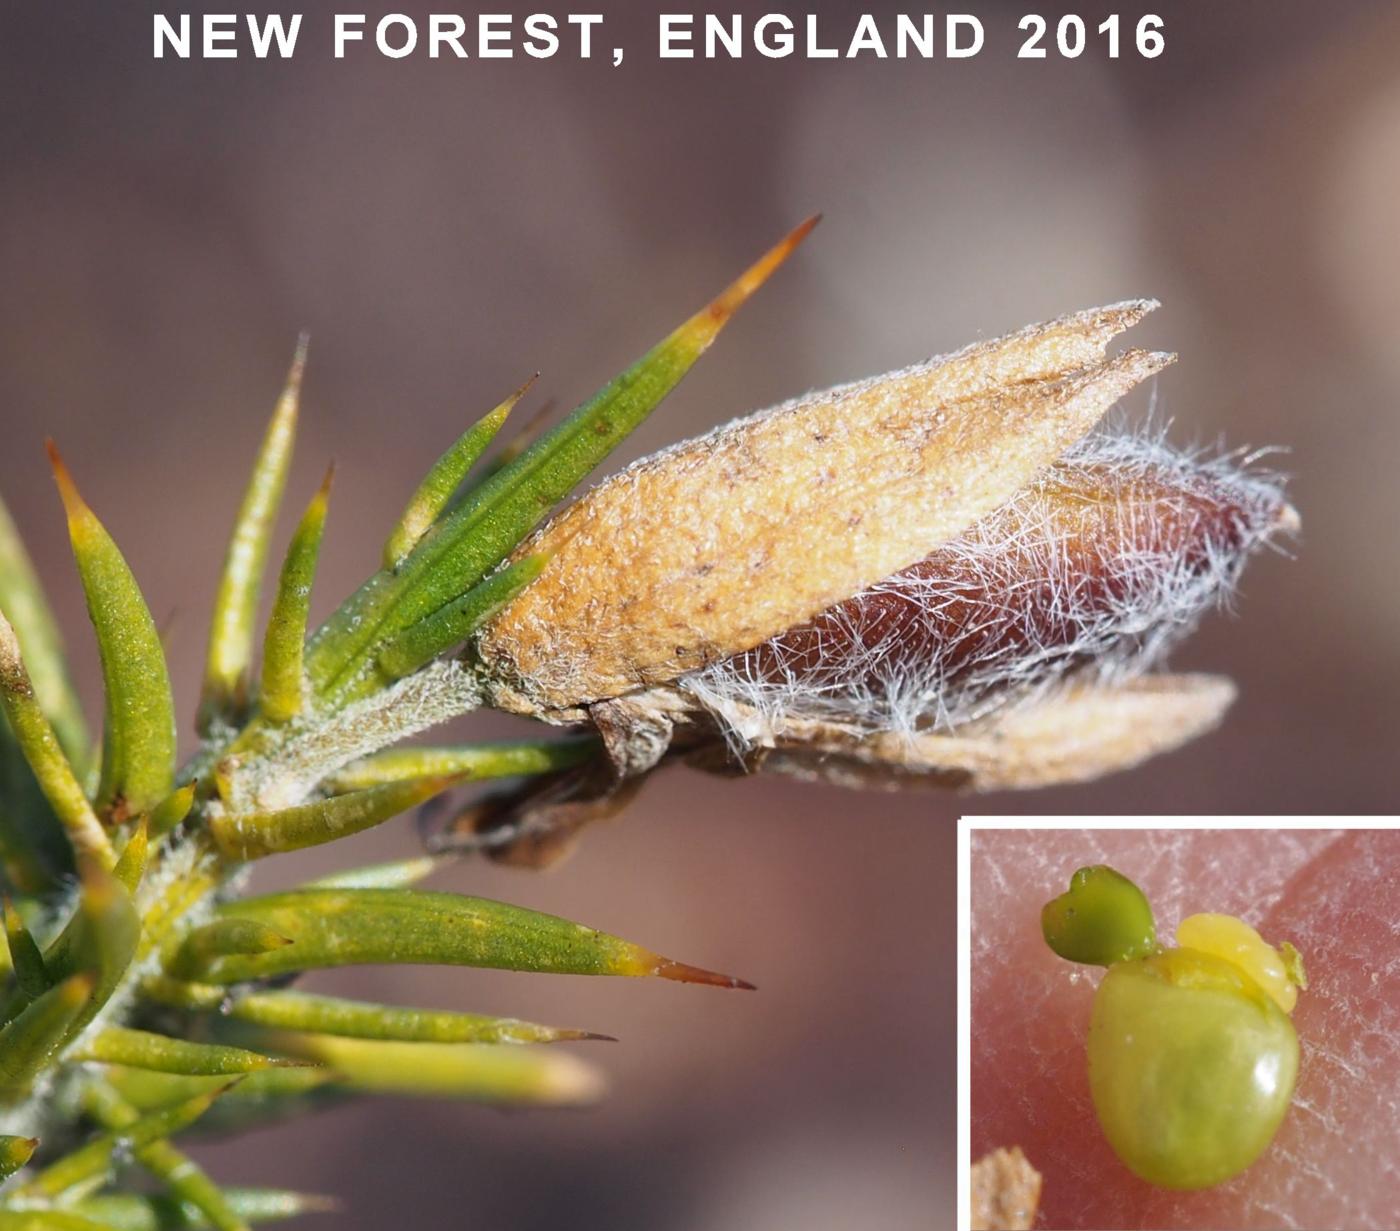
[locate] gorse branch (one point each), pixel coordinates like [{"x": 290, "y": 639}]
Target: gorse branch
[{"x": 805, "y": 590}]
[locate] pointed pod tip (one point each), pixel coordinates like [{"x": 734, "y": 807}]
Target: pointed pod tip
[{"x": 665, "y": 968}]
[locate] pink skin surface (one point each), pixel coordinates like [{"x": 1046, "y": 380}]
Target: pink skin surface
[{"x": 1335, "y": 894}]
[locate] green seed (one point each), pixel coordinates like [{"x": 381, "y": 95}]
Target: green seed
[{"x": 1191, "y": 1067}]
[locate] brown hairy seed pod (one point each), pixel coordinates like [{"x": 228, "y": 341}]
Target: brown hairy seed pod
[
  {"x": 717, "y": 544},
  {"x": 942, "y": 575},
  {"x": 1097, "y": 568}
]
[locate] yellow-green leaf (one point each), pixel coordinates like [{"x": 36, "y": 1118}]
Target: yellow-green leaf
[
  {"x": 46, "y": 758},
  {"x": 303, "y": 1011},
  {"x": 254, "y": 835},
  {"x": 141, "y": 1049},
  {"x": 282, "y": 681},
  {"x": 138, "y": 736},
  {"x": 22, "y": 599},
  {"x": 345, "y": 927},
  {"x": 474, "y": 1071},
  {"x": 443, "y": 479},
  {"x": 236, "y": 603}
]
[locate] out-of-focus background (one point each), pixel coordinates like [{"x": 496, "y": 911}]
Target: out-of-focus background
[{"x": 444, "y": 229}]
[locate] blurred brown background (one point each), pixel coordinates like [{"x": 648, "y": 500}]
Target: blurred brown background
[{"x": 444, "y": 229}]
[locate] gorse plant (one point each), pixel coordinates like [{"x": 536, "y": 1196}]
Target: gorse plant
[{"x": 930, "y": 575}]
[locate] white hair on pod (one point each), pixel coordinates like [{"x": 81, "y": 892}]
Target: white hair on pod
[{"x": 1011, "y": 610}]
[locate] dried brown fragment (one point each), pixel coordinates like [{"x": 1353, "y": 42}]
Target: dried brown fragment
[
  {"x": 1075, "y": 735},
  {"x": 537, "y": 825},
  {"x": 1005, "y": 1191},
  {"x": 713, "y": 546}
]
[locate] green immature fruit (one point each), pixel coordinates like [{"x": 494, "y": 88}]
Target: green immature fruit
[{"x": 1192, "y": 1056}]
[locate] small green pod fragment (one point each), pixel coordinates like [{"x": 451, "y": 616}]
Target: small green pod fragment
[
  {"x": 1191, "y": 1067},
  {"x": 1101, "y": 919}
]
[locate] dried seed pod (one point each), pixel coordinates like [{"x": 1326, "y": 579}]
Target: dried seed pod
[
  {"x": 937, "y": 576},
  {"x": 713, "y": 546},
  {"x": 1098, "y": 568},
  {"x": 1073, "y": 735}
]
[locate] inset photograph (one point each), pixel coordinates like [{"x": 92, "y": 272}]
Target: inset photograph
[{"x": 1181, "y": 1023}]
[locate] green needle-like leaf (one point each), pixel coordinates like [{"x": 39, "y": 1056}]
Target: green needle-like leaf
[
  {"x": 445, "y": 477},
  {"x": 39, "y": 744},
  {"x": 452, "y": 624},
  {"x": 131, "y": 864},
  {"x": 282, "y": 680},
  {"x": 47, "y": 1220},
  {"x": 31, "y": 1039},
  {"x": 140, "y": 1049},
  {"x": 301, "y": 1011},
  {"x": 185, "y": 1178},
  {"x": 236, "y": 603},
  {"x": 254, "y": 835},
  {"x": 396, "y": 874},
  {"x": 138, "y": 736},
  {"x": 25, "y": 958},
  {"x": 452, "y": 1070},
  {"x": 138, "y": 1212},
  {"x": 346, "y": 927},
  {"x": 14, "y": 1153},
  {"x": 172, "y": 809},
  {"x": 22, "y": 600},
  {"x": 94, "y": 1158},
  {"x": 223, "y": 938},
  {"x": 471, "y": 762},
  {"x": 100, "y": 938},
  {"x": 33, "y": 845},
  {"x": 148, "y": 1090},
  {"x": 462, "y": 548}
]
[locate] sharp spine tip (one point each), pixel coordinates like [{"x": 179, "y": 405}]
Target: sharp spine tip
[
  {"x": 67, "y": 489},
  {"x": 681, "y": 972}
]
